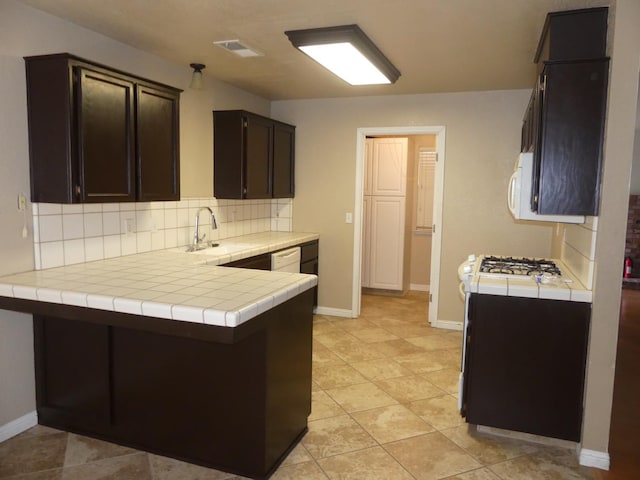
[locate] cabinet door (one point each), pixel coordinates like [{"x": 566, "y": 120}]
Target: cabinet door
[
  {"x": 157, "y": 144},
  {"x": 283, "y": 160},
  {"x": 228, "y": 150},
  {"x": 525, "y": 364},
  {"x": 72, "y": 371},
  {"x": 571, "y": 137},
  {"x": 389, "y": 166},
  {"x": 105, "y": 137},
  {"x": 387, "y": 242},
  {"x": 258, "y": 161}
]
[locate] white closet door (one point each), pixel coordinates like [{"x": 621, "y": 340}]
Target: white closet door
[
  {"x": 387, "y": 242},
  {"x": 366, "y": 242},
  {"x": 389, "y": 166}
]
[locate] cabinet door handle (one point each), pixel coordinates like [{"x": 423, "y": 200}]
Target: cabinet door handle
[{"x": 77, "y": 190}]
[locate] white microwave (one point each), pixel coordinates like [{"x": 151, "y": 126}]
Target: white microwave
[{"x": 519, "y": 195}]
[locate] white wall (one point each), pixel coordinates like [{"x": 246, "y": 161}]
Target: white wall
[
  {"x": 609, "y": 249},
  {"x": 25, "y": 31},
  {"x": 635, "y": 172},
  {"x": 483, "y": 139}
]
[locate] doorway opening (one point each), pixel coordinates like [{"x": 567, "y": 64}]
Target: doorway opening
[{"x": 438, "y": 132}]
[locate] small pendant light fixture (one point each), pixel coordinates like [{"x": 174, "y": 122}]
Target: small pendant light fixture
[
  {"x": 347, "y": 52},
  {"x": 196, "y": 78}
]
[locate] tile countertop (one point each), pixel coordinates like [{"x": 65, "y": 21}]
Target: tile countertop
[
  {"x": 569, "y": 288},
  {"x": 171, "y": 284}
]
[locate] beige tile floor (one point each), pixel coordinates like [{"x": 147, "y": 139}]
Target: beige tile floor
[{"x": 384, "y": 407}]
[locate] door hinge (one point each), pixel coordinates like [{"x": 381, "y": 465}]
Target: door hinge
[
  {"x": 433, "y": 228},
  {"x": 430, "y": 297},
  {"x": 543, "y": 83}
]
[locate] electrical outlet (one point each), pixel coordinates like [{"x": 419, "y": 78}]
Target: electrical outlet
[{"x": 128, "y": 225}]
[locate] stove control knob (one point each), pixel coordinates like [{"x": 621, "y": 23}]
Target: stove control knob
[
  {"x": 467, "y": 269},
  {"x": 471, "y": 258}
]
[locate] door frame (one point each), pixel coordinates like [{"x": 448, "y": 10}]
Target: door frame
[{"x": 438, "y": 194}]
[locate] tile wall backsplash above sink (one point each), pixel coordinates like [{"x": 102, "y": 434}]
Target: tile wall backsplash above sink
[{"x": 69, "y": 234}]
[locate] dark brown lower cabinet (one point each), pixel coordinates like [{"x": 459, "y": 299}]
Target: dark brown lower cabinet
[
  {"x": 525, "y": 364},
  {"x": 237, "y": 402},
  {"x": 257, "y": 262},
  {"x": 309, "y": 261}
]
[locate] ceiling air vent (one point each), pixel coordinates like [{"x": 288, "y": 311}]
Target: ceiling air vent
[{"x": 234, "y": 46}]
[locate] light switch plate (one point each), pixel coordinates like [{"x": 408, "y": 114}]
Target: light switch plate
[
  {"x": 348, "y": 218},
  {"x": 22, "y": 202}
]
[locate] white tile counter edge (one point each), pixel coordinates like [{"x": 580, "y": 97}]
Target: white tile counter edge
[
  {"x": 572, "y": 290},
  {"x": 270, "y": 288}
]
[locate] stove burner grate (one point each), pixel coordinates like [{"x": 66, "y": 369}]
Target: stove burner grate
[{"x": 519, "y": 266}]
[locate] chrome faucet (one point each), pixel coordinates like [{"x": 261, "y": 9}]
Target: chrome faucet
[{"x": 197, "y": 239}]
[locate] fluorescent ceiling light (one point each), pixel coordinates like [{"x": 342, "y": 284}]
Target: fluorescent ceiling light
[{"x": 347, "y": 52}]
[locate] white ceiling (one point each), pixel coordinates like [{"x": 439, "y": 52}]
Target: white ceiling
[{"x": 438, "y": 45}]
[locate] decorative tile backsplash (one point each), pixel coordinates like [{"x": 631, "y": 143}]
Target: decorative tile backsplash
[
  {"x": 69, "y": 234},
  {"x": 579, "y": 249}
]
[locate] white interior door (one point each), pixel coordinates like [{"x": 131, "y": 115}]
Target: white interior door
[
  {"x": 387, "y": 242},
  {"x": 436, "y": 245},
  {"x": 389, "y": 166}
]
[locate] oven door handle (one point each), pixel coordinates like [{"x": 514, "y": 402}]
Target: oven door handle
[{"x": 511, "y": 192}]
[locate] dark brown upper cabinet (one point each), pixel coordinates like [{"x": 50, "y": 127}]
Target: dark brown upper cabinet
[
  {"x": 573, "y": 35},
  {"x": 99, "y": 135},
  {"x": 253, "y": 157},
  {"x": 284, "y": 137},
  {"x": 564, "y": 122},
  {"x": 157, "y": 123}
]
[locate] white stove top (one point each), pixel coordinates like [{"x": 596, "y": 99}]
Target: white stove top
[{"x": 521, "y": 277}]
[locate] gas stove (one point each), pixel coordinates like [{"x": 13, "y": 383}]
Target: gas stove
[
  {"x": 520, "y": 277},
  {"x": 519, "y": 266}
]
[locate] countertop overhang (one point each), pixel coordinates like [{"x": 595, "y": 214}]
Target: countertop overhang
[{"x": 166, "y": 284}]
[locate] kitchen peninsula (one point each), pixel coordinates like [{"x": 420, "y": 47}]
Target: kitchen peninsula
[{"x": 169, "y": 352}]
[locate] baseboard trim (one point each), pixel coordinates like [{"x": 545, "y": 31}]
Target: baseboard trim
[
  {"x": 594, "y": 458},
  {"x": 528, "y": 437},
  {"x": 419, "y": 287},
  {"x": 18, "y": 425},
  {"x": 334, "y": 312},
  {"x": 447, "y": 324}
]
